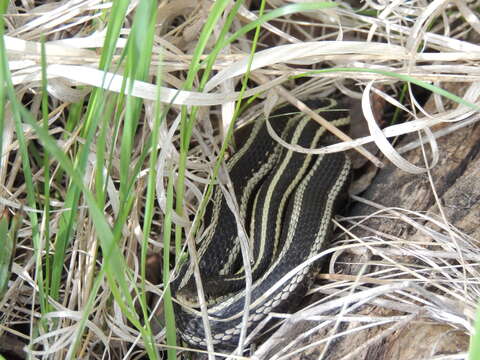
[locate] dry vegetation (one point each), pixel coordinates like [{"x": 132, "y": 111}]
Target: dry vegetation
[{"x": 378, "y": 283}]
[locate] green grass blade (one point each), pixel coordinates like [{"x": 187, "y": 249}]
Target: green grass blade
[
  {"x": 271, "y": 15},
  {"x": 167, "y": 295},
  {"x": 95, "y": 111},
  {"x": 474, "y": 347},
  {"x": 7, "y": 244},
  {"x": 46, "y": 171},
  {"x": 113, "y": 260},
  {"x": 402, "y": 77},
  {"x": 6, "y": 255},
  {"x": 3, "y": 71},
  {"x": 27, "y": 171}
]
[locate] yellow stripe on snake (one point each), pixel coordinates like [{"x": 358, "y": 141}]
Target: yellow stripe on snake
[{"x": 286, "y": 200}]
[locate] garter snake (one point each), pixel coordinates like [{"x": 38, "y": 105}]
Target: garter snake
[{"x": 286, "y": 200}]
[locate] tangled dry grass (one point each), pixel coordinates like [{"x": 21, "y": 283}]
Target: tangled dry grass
[{"x": 362, "y": 50}]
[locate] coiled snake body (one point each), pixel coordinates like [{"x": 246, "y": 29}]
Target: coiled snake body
[{"x": 286, "y": 200}]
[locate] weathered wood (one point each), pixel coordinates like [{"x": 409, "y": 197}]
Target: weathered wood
[{"x": 456, "y": 179}]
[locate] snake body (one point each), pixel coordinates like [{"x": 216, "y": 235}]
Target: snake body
[{"x": 286, "y": 200}]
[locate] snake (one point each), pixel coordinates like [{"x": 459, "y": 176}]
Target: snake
[{"x": 286, "y": 200}]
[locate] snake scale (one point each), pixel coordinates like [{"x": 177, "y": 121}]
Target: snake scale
[{"x": 286, "y": 200}]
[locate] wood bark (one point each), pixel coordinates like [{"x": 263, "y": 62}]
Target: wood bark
[{"x": 456, "y": 181}]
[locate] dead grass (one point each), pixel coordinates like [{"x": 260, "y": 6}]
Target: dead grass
[{"x": 430, "y": 41}]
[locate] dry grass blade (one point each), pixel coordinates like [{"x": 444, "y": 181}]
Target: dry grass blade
[{"x": 380, "y": 283}]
